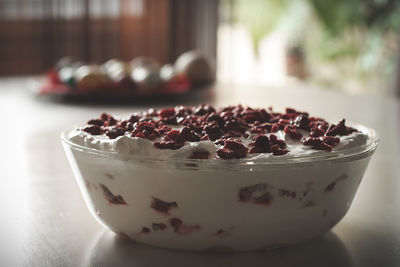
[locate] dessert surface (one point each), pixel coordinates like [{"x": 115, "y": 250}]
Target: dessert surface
[{"x": 205, "y": 132}]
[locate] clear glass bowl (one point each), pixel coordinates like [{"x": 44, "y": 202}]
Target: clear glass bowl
[{"x": 203, "y": 205}]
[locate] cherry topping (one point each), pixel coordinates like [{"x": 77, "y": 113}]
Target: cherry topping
[
  {"x": 277, "y": 151},
  {"x": 216, "y": 118},
  {"x": 110, "y": 122},
  {"x": 203, "y": 109},
  {"x": 168, "y": 145},
  {"x": 189, "y": 135},
  {"x": 134, "y": 118},
  {"x": 93, "y": 129},
  {"x": 114, "y": 132},
  {"x": 96, "y": 122},
  {"x": 330, "y": 140},
  {"x": 104, "y": 116},
  {"x": 145, "y": 130},
  {"x": 164, "y": 129},
  {"x": 167, "y": 112},
  {"x": 232, "y": 150},
  {"x": 302, "y": 122},
  {"x": 317, "y": 132},
  {"x": 316, "y": 143},
  {"x": 339, "y": 129},
  {"x": 174, "y": 135},
  {"x": 290, "y": 110},
  {"x": 293, "y": 132},
  {"x": 213, "y": 131},
  {"x": 275, "y": 141},
  {"x": 261, "y": 145},
  {"x": 221, "y": 126}
]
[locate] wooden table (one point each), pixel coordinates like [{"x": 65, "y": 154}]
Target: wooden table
[{"x": 45, "y": 222}]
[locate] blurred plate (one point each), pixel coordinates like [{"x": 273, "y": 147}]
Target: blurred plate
[{"x": 45, "y": 88}]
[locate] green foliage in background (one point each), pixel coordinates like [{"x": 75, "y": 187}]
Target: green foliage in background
[
  {"x": 338, "y": 17},
  {"x": 356, "y": 40},
  {"x": 359, "y": 26},
  {"x": 259, "y": 16}
]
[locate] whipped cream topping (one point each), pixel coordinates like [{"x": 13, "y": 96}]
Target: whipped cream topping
[
  {"x": 142, "y": 147},
  {"x": 233, "y": 132}
]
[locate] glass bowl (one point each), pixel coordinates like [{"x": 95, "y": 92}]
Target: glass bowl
[{"x": 214, "y": 205}]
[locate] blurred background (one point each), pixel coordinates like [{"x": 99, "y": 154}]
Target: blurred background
[{"x": 345, "y": 45}]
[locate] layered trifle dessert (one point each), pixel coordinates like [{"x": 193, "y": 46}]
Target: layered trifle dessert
[{"x": 230, "y": 178}]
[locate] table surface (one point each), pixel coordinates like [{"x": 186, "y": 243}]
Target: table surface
[{"x": 46, "y": 223}]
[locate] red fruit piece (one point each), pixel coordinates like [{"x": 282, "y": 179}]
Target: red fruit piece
[
  {"x": 267, "y": 126},
  {"x": 316, "y": 143},
  {"x": 145, "y": 130},
  {"x": 275, "y": 141},
  {"x": 166, "y": 112},
  {"x": 181, "y": 228},
  {"x": 317, "y": 133},
  {"x": 96, "y": 122},
  {"x": 115, "y": 132},
  {"x": 174, "y": 135},
  {"x": 170, "y": 120},
  {"x": 265, "y": 116},
  {"x": 261, "y": 145},
  {"x": 233, "y": 134},
  {"x": 232, "y": 149},
  {"x": 162, "y": 206},
  {"x": 330, "y": 140},
  {"x": 311, "y": 141},
  {"x": 164, "y": 129},
  {"x": 134, "y": 118},
  {"x": 189, "y": 135},
  {"x": 93, "y": 129},
  {"x": 110, "y": 122},
  {"x": 168, "y": 145},
  {"x": 274, "y": 128},
  {"x": 292, "y": 132},
  {"x": 257, "y": 130},
  {"x": 175, "y": 223},
  {"x": 302, "y": 122},
  {"x": 203, "y": 109},
  {"x": 235, "y": 125},
  {"x": 213, "y": 131},
  {"x": 290, "y": 110},
  {"x": 113, "y": 199},
  {"x": 250, "y": 118},
  {"x": 213, "y": 117},
  {"x": 108, "y": 119},
  {"x": 182, "y": 111},
  {"x": 251, "y": 115},
  {"x": 277, "y": 151},
  {"x": 104, "y": 116},
  {"x": 339, "y": 129},
  {"x": 316, "y": 123}
]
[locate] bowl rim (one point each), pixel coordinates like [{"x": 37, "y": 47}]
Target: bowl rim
[{"x": 350, "y": 154}]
